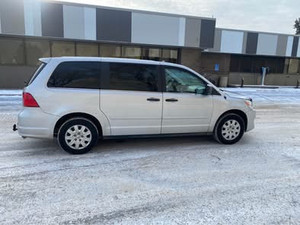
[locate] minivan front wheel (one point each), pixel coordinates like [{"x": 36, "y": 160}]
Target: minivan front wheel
[
  {"x": 77, "y": 136},
  {"x": 229, "y": 129}
]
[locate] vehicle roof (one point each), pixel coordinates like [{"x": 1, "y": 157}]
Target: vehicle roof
[{"x": 106, "y": 59}]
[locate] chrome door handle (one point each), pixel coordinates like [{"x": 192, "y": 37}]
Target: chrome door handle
[
  {"x": 171, "y": 100},
  {"x": 153, "y": 99}
]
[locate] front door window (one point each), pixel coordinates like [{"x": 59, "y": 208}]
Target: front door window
[{"x": 182, "y": 81}]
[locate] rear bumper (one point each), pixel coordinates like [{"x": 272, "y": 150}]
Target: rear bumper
[
  {"x": 251, "y": 117},
  {"x": 33, "y": 122}
]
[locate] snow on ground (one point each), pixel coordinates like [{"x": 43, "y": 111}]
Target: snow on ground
[
  {"x": 183, "y": 180},
  {"x": 265, "y": 96},
  {"x": 7, "y": 92}
]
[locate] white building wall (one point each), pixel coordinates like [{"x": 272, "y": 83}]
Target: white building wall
[
  {"x": 32, "y": 18},
  {"x": 267, "y": 44},
  {"x": 232, "y": 41},
  {"x": 73, "y": 22},
  {"x": 0, "y": 25},
  {"x": 289, "y": 47},
  {"x": 89, "y": 23},
  {"x": 181, "y": 33},
  {"x": 155, "y": 29}
]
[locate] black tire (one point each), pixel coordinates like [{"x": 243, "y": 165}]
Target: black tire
[
  {"x": 79, "y": 130},
  {"x": 226, "y": 130}
]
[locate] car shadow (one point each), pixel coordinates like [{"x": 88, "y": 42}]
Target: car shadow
[
  {"x": 42, "y": 147},
  {"x": 161, "y": 143}
]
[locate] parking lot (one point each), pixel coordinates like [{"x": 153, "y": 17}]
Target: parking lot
[{"x": 183, "y": 180}]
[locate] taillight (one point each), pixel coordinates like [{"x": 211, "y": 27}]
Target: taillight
[{"x": 29, "y": 101}]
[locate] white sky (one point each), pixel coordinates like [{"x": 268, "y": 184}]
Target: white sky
[{"x": 258, "y": 15}]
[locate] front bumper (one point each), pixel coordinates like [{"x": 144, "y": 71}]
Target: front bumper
[
  {"x": 251, "y": 115},
  {"x": 33, "y": 122}
]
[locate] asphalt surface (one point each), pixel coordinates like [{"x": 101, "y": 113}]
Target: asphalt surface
[{"x": 186, "y": 180}]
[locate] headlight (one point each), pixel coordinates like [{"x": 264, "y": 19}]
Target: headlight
[{"x": 249, "y": 103}]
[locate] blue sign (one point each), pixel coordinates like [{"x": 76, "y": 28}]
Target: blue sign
[{"x": 217, "y": 67}]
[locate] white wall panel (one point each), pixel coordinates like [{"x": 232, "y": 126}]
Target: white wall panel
[
  {"x": 232, "y": 41},
  {"x": 267, "y": 44},
  {"x": 298, "y": 52},
  {"x": 155, "y": 29},
  {"x": 181, "y": 32},
  {"x": 90, "y": 23},
  {"x": 192, "y": 32},
  {"x": 32, "y": 17},
  {"x": 289, "y": 46},
  {"x": 73, "y": 22}
]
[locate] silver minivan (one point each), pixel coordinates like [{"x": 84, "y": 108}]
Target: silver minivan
[{"x": 79, "y": 100}]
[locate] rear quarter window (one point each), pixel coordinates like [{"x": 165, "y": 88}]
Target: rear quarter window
[{"x": 76, "y": 75}]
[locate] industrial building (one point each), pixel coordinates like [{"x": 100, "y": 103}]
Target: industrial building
[{"x": 31, "y": 29}]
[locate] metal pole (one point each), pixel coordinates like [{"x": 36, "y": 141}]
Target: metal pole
[{"x": 264, "y": 71}]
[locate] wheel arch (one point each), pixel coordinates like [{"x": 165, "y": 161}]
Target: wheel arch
[
  {"x": 234, "y": 111},
  {"x": 66, "y": 117}
]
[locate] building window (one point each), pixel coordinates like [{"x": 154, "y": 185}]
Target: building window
[
  {"x": 253, "y": 64},
  {"x": 36, "y": 49},
  {"x": 131, "y": 52},
  {"x": 110, "y": 50},
  {"x": 234, "y": 64},
  {"x": 12, "y": 51},
  {"x": 246, "y": 65},
  {"x": 258, "y": 63},
  {"x": 86, "y": 49},
  {"x": 170, "y": 55},
  {"x": 62, "y": 48},
  {"x": 151, "y": 53}
]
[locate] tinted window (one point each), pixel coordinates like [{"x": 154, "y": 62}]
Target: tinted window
[
  {"x": 135, "y": 77},
  {"x": 76, "y": 75},
  {"x": 251, "y": 64},
  {"x": 179, "y": 80}
]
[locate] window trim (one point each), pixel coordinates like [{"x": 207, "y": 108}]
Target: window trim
[{"x": 36, "y": 73}]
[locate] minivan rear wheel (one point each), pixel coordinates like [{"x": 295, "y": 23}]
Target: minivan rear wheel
[
  {"x": 229, "y": 129},
  {"x": 77, "y": 135}
]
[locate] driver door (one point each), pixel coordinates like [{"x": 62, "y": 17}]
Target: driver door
[{"x": 186, "y": 109}]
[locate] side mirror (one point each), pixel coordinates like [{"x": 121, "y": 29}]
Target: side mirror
[
  {"x": 199, "y": 91},
  {"x": 208, "y": 90}
]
